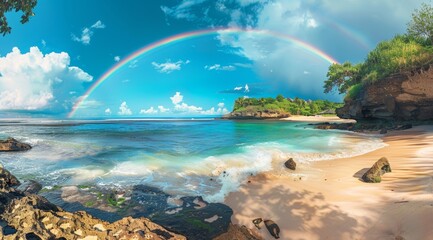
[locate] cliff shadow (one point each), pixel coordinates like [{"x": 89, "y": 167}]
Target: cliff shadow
[{"x": 296, "y": 213}]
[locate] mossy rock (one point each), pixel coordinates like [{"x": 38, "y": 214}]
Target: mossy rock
[{"x": 374, "y": 174}]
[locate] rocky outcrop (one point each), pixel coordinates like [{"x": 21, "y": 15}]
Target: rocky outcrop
[
  {"x": 251, "y": 113},
  {"x": 374, "y": 174},
  {"x": 12, "y": 145},
  {"x": 239, "y": 233},
  {"x": 7, "y": 180},
  {"x": 401, "y": 97},
  {"x": 290, "y": 164},
  {"x": 189, "y": 216},
  {"x": 32, "y": 216}
]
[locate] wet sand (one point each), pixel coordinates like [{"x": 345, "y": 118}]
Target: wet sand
[{"x": 327, "y": 199}]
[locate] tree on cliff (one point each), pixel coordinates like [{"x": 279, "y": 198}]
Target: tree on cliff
[
  {"x": 341, "y": 77},
  {"x": 421, "y": 24},
  {"x": 26, "y": 6}
]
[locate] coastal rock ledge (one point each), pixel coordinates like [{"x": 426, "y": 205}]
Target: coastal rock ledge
[
  {"x": 30, "y": 216},
  {"x": 406, "y": 96},
  {"x": 12, "y": 145},
  {"x": 254, "y": 114}
]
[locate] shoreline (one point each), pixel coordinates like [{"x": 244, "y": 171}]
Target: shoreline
[
  {"x": 327, "y": 199},
  {"x": 317, "y": 119}
]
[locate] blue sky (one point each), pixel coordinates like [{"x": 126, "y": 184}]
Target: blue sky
[{"x": 47, "y": 64}]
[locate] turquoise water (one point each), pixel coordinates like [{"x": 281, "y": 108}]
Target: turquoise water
[{"x": 184, "y": 157}]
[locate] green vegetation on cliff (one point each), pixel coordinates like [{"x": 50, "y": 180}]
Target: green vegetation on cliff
[
  {"x": 402, "y": 53},
  {"x": 281, "y": 104}
]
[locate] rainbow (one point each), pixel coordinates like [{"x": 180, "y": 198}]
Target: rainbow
[{"x": 189, "y": 35}]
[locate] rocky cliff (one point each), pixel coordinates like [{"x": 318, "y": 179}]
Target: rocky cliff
[
  {"x": 251, "y": 113},
  {"x": 400, "y": 97}
]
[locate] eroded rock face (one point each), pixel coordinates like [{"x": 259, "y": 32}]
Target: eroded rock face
[
  {"x": 12, "y": 145},
  {"x": 34, "y": 215},
  {"x": 374, "y": 174},
  {"x": 7, "y": 180},
  {"x": 402, "y": 97},
  {"x": 252, "y": 114}
]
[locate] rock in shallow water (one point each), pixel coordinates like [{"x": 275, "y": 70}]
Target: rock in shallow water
[
  {"x": 189, "y": 216},
  {"x": 30, "y": 186},
  {"x": 10, "y": 145},
  {"x": 290, "y": 164}
]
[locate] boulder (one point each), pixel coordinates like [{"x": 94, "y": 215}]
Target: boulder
[
  {"x": 239, "y": 233},
  {"x": 290, "y": 164},
  {"x": 11, "y": 144},
  {"x": 273, "y": 228},
  {"x": 374, "y": 174},
  {"x": 7, "y": 180}
]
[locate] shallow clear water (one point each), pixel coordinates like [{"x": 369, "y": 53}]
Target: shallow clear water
[{"x": 181, "y": 157}]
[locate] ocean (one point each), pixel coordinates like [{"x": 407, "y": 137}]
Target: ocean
[{"x": 186, "y": 157}]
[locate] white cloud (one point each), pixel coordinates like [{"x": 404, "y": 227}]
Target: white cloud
[
  {"x": 311, "y": 23},
  {"x": 108, "y": 111},
  {"x": 44, "y": 44},
  {"x": 90, "y": 104},
  {"x": 218, "y": 67},
  {"x": 80, "y": 74},
  {"x": 163, "y": 109},
  {"x": 247, "y": 89},
  {"x": 182, "y": 107},
  {"x": 87, "y": 33},
  {"x": 212, "y": 111},
  {"x": 117, "y": 58},
  {"x": 133, "y": 64},
  {"x": 98, "y": 24},
  {"x": 151, "y": 110},
  {"x": 177, "y": 98},
  {"x": 85, "y": 36},
  {"x": 183, "y": 10},
  {"x": 169, "y": 66},
  {"x": 30, "y": 81},
  {"x": 124, "y": 109},
  {"x": 238, "y": 88},
  {"x": 243, "y": 65}
]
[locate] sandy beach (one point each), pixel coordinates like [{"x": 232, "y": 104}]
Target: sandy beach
[
  {"x": 317, "y": 119},
  {"x": 327, "y": 199}
]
